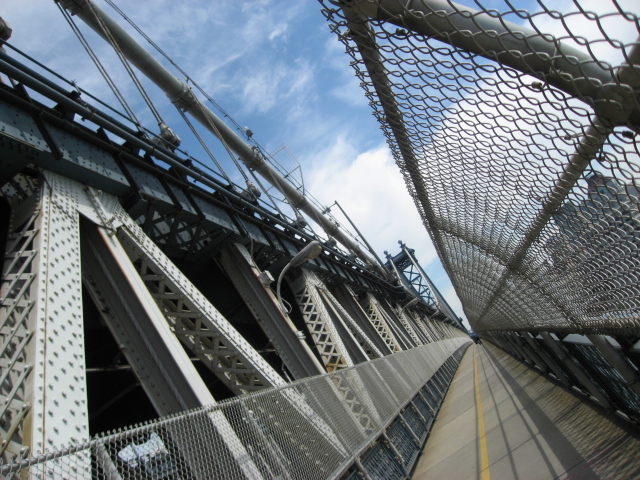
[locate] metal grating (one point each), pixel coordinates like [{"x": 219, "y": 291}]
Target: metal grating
[
  {"x": 618, "y": 389},
  {"x": 517, "y": 137},
  {"x": 274, "y": 436},
  {"x": 414, "y": 421}
]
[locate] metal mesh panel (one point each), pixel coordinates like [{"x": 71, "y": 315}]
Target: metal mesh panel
[
  {"x": 423, "y": 408},
  {"x": 414, "y": 421},
  {"x": 517, "y": 137},
  {"x": 312, "y": 428}
]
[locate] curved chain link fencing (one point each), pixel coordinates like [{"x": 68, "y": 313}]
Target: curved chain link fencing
[{"x": 516, "y": 131}]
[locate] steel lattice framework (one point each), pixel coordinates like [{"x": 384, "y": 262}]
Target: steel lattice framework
[
  {"x": 518, "y": 144},
  {"x": 517, "y": 138}
]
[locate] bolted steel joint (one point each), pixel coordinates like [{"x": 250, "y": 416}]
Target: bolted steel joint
[{"x": 5, "y": 31}]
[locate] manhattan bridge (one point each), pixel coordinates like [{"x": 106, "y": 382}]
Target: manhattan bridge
[{"x": 159, "y": 320}]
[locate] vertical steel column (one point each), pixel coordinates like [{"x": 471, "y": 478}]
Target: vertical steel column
[
  {"x": 444, "y": 305},
  {"x": 369, "y": 348},
  {"x": 379, "y": 321},
  {"x": 392, "y": 319},
  {"x": 43, "y": 393},
  {"x": 324, "y": 334},
  {"x": 162, "y": 366},
  {"x": 408, "y": 325},
  {"x": 237, "y": 263},
  {"x": 348, "y": 299}
]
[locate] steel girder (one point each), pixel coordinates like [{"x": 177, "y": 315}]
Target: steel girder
[
  {"x": 41, "y": 323},
  {"x": 380, "y": 323},
  {"x": 324, "y": 332},
  {"x": 200, "y": 327}
]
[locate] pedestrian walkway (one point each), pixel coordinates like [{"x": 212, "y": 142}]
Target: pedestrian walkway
[{"x": 501, "y": 420}]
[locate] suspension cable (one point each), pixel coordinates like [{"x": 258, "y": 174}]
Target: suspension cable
[
  {"x": 99, "y": 66},
  {"x": 190, "y": 80},
  {"x": 203, "y": 144},
  {"x": 266, "y": 191},
  {"x": 127, "y": 66}
]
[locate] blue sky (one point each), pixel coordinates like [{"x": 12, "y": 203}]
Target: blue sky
[{"x": 275, "y": 67}]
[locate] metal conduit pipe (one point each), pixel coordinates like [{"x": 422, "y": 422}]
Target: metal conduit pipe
[
  {"x": 184, "y": 98},
  {"x": 579, "y": 373},
  {"x": 617, "y": 361}
]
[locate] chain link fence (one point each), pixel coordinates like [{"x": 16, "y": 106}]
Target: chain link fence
[
  {"x": 312, "y": 428},
  {"x": 516, "y": 130}
]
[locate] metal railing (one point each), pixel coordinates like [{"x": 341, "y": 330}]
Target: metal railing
[{"x": 313, "y": 428}]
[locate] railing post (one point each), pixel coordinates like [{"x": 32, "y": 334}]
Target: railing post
[
  {"x": 546, "y": 359},
  {"x": 617, "y": 361},
  {"x": 577, "y": 371}
]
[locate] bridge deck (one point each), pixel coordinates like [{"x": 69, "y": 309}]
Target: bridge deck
[{"x": 533, "y": 428}]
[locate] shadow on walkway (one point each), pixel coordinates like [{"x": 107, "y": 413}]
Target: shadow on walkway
[{"x": 534, "y": 428}]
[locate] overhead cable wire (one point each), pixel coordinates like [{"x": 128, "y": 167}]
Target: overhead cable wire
[
  {"x": 203, "y": 144},
  {"x": 99, "y": 66},
  {"x": 72, "y": 83},
  {"x": 190, "y": 80},
  {"x": 125, "y": 64}
]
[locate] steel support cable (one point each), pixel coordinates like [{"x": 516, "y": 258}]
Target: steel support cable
[
  {"x": 172, "y": 62},
  {"x": 214, "y": 129},
  {"x": 125, "y": 64},
  {"x": 200, "y": 89},
  {"x": 96, "y": 61},
  {"x": 266, "y": 192},
  {"x": 296, "y": 211},
  {"x": 180, "y": 94},
  {"x": 69, "y": 82},
  {"x": 204, "y": 145}
]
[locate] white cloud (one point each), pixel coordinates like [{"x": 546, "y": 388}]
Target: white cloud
[{"x": 371, "y": 190}]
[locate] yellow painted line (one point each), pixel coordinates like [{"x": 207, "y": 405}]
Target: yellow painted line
[{"x": 484, "y": 454}]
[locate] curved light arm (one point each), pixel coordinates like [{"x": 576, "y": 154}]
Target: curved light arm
[{"x": 309, "y": 252}]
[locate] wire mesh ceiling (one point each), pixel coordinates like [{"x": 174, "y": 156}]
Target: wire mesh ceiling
[{"x": 516, "y": 132}]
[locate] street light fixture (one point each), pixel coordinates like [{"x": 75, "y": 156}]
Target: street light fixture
[
  {"x": 410, "y": 304},
  {"x": 311, "y": 251}
]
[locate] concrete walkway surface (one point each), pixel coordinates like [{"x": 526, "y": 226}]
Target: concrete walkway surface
[{"x": 501, "y": 420}]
